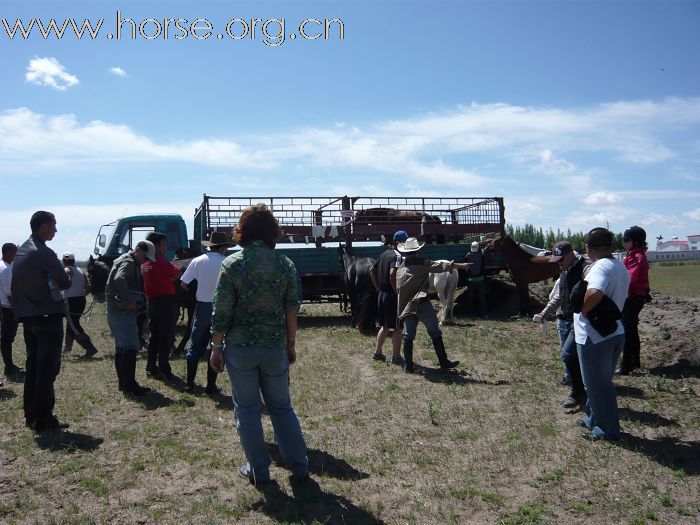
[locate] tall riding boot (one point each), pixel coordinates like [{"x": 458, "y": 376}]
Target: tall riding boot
[
  {"x": 192, "y": 365},
  {"x": 408, "y": 357},
  {"x": 211, "y": 388},
  {"x": 117, "y": 365},
  {"x": 445, "y": 364},
  {"x": 85, "y": 342},
  {"x": 128, "y": 368}
]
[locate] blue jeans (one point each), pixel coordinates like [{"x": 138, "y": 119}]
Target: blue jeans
[
  {"x": 427, "y": 315},
  {"x": 569, "y": 356},
  {"x": 201, "y": 331},
  {"x": 598, "y": 368},
  {"x": 252, "y": 371},
  {"x": 125, "y": 330}
]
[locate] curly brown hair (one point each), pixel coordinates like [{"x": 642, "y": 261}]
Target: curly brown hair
[{"x": 257, "y": 224}]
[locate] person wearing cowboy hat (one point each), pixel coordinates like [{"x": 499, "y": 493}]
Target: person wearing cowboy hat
[
  {"x": 412, "y": 279},
  {"x": 205, "y": 270}
]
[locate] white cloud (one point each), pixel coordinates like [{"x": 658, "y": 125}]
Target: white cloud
[
  {"x": 602, "y": 199},
  {"x": 49, "y": 72},
  {"x": 693, "y": 215},
  {"x": 117, "y": 71}
]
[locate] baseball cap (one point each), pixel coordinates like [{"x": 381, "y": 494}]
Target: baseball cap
[
  {"x": 475, "y": 246},
  {"x": 560, "y": 250},
  {"x": 148, "y": 248},
  {"x": 69, "y": 256},
  {"x": 400, "y": 236}
]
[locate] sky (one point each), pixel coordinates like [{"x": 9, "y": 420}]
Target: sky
[{"x": 578, "y": 113}]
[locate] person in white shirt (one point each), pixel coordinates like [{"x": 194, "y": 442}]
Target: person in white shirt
[
  {"x": 205, "y": 270},
  {"x": 8, "y": 323},
  {"x": 608, "y": 281},
  {"x": 75, "y": 297}
]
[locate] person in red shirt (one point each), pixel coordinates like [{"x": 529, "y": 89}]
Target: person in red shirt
[
  {"x": 158, "y": 284},
  {"x": 634, "y": 241}
]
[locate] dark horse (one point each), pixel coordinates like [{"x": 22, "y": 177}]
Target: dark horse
[
  {"x": 98, "y": 271},
  {"x": 524, "y": 268},
  {"x": 359, "y": 288}
]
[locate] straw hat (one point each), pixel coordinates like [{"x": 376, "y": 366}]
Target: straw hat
[{"x": 411, "y": 245}]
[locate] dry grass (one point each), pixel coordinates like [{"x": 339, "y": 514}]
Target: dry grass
[{"x": 490, "y": 444}]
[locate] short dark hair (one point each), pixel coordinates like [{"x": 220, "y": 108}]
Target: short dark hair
[
  {"x": 156, "y": 238},
  {"x": 40, "y": 218},
  {"x": 599, "y": 238},
  {"x": 257, "y": 224},
  {"x": 8, "y": 247}
]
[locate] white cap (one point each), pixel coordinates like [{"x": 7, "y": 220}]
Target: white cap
[
  {"x": 475, "y": 246},
  {"x": 69, "y": 255},
  {"x": 148, "y": 249}
]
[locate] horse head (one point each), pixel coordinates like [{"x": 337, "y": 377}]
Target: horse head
[
  {"x": 495, "y": 245},
  {"x": 97, "y": 273}
]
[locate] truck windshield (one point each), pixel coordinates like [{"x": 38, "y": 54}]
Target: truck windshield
[{"x": 104, "y": 237}]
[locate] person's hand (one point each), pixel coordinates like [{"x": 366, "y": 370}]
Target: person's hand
[
  {"x": 291, "y": 352},
  {"x": 537, "y": 318},
  {"x": 217, "y": 360}
]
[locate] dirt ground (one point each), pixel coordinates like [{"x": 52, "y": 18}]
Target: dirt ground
[{"x": 489, "y": 443}]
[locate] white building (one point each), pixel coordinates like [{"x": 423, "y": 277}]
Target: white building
[
  {"x": 694, "y": 242},
  {"x": 672, "y": 246}
]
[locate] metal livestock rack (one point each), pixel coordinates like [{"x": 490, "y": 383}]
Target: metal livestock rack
[{"x": 437, "y": 220}]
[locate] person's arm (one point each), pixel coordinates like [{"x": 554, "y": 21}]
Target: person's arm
[
  {"x": 55, "y": 269},
  {"x": 591, "y": 299},
  {"x": 392, "y": 277},
  {"x": 552, "y": 305},
  {"x": 462, "y": 266},
  {"x": 188, "y": 276},
  {"x": 290, "y": 319},
  {"x": 120, "y": 283},
  {"x": 222, "y": 317},
  {"x": 373, "y": 277}
]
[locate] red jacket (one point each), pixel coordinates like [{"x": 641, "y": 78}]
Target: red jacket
[{"x": 638, "y": 268}]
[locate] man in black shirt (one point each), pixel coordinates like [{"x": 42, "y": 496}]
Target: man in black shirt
[
  {"x": 37, "y": 280},
  {"x": 383, "y": 275}
]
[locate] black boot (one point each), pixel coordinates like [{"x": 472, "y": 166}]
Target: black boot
[
  {"x": 117, "y": 366},
  {"x": 211, "y": 388},
  {"x": 408, "y": 357},
  {"x": 86, "y": 343},
  {"x": 128, "y": 369},
  {"x": 445, "y": 364},
  {"x": 192, "y": 365}
]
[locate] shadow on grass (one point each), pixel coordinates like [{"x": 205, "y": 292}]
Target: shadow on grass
[
  {"x": 629, "y": 391},
  {"x": 435, "y": 375},
  {"x": 6, "y": 394},
  {"x": 322, "y": 464},
  {"x": 683, "y": 368},
  {"x": 667, "y": 451},
  {"x": 310, "y": 504},
  {"x": 153, "y": 400},
  {"x": 324, "y": 321},
  {"x": 647, "y": 418},
  {"x": 67, "y": 442}
]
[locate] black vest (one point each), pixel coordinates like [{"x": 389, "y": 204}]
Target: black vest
[{"x": 567, "y": 281}]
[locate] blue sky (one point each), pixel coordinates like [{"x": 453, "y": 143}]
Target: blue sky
[{"x": 577, "y": 113}]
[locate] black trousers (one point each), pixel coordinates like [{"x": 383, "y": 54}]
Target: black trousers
[
  {"x": 76, "y": 307},
  {"x": 162, "y": 313},
  {"x": 477, "y": 289},
  {"x": 630, "y": 320},
  {"x": 8, "y": 331},
  {"x": 43, "y": 337}
]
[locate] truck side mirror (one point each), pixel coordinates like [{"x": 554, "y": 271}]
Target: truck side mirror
[{"x": 102, "y": 240}]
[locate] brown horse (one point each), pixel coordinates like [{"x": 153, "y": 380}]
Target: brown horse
[{"x": 524, "y": 268}]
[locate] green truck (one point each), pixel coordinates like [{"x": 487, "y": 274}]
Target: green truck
[{"x": 314, "y": 228}]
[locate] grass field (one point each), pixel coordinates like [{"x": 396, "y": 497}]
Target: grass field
[
  {"x": 680, "y": 281},
  {"x": 489, "y": 444}
]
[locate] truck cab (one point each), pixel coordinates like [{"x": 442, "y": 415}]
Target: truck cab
[{"x": 120, "y": 236}]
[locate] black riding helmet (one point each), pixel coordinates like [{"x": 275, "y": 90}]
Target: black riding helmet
[{"x": 635, "y": 234}]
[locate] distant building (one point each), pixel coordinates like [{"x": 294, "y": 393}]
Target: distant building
[
  {"x": 694, "y": 242},
  {"x": 672, "y": 246}
]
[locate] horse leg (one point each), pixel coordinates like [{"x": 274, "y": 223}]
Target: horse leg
[
  {"x": 188, "y": 332},
  {"x": 524, "y": 298}
]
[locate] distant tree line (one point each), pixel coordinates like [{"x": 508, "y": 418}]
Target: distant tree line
[{"x": 533, "y": 236}]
